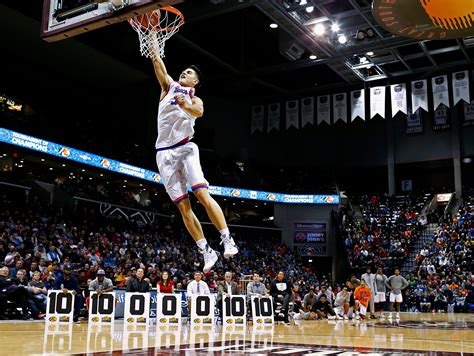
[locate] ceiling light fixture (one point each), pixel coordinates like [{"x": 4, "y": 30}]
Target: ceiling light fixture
[
  {"x": 309, "y": 9},
  {"x": 313, "y": 57},
  {"x": 370, "y": 53},
  {"x": 273, "y": 25},
  {"x": 335, "y": 27},
  {"x": 342, "y": 39},
  {"x": 319, "y": 29}
]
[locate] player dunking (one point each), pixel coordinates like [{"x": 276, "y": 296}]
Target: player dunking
[{"x": 178, "y": 158}]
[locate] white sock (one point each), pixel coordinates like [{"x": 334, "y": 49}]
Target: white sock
[
  {"x": 224, "y": 232},
  {"x": 202, "y": 244}
]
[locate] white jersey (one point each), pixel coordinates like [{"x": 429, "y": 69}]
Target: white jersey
[{"x": 174, "y": 123}]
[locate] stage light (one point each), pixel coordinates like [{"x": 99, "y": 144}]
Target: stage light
[
  {"x": 309, "y": 9},
  {"x": 335, "y": 27},
  {"x": 370, "y": 53},
  {"x": 303, "y": 2},
  {"x": 313, "y": 57},
  {"x": 273, "y": 25},
  {"x": 342, "y": 39},
  {"x": 319, "y": 29}
]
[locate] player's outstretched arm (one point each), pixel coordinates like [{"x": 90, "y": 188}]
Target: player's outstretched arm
[
  {"x": 160, "y": 72},
  {"x": 195, "y": 109}
]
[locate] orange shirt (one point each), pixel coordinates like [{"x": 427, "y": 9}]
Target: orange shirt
[{"x": 363, "y": 295}]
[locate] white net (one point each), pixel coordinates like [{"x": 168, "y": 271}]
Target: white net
[{"x": 154, "y": 28}]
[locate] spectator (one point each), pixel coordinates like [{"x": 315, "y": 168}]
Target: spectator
[
  {"x": 362, "y": 295},
  {"x": 165, "y": 285},
  {"x": 138, "y": 283},
  {"x": 280, "y": 290},
  {"x": 68, "y": 283},
  {"x": 11, "y": 290}
]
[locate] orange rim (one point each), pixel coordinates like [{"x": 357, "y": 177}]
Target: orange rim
[{"x": 166, "y": 29}]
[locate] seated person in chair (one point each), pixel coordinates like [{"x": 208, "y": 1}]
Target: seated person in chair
[
  {"x": 225, "y": 288},
  {"x": 280, "y": 290}
]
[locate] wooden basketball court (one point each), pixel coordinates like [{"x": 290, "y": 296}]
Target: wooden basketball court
[{"x": 434, "y": 334}]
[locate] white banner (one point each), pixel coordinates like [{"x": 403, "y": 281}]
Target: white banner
[
  {"x": 358, "y": 104},
  {"x": 377, "y": 102},
  {"x": 234, "y": 310},
  {"x": 262, "y": 310},
  {"x": 202, "y": 309},
  {"x": 440, "y": 91},
  {"x": 461, "y": 87},
  {"x": 168, "y": 309},
  {"x": 257, "y": 119},
  {"x": 137, "y": 308},
  {"x": 419, "y": 95},
  {"x": 59, "y": 307},
  {"x": 102, "y": 308},
  {"x": 399, "y": 99},
  {"x": 307, "y": 111},
  {"x": 339, "y": 107},
  {"x": 324, "y": 110},
  {"x": 292, "y": 117},
  {"x": 273, "y": 117}
]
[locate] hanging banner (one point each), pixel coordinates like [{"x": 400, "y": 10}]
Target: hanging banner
[
  {"x": 469, "y": 114},
  {"x": 339, "y": 107},
  {"x": 440, "y": 91},
  {"x": 273, "y": 117},
  {"x": 307, "y": 111},
  {"x": 292, "y": 117},
  {"x": 440, "y": 118},
  {"x": 324, "y": 109},
  {"x": 377, "y": 102},
  {"x": 358, "y": 104},
  {"x": 414, "y": 123},
  {"x": 257, "y": 119},
  {"x": 399, "y": 99},
  {"x": 461, "y": 87},
  {"x": 419, "y": 95}
]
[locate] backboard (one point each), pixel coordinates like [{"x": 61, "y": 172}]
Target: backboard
[{"x": 66, "y": 18}]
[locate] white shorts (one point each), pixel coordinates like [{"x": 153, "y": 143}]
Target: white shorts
[
  {"x": 397, "y": 298},
  {"x": 178, "y": 166},
  {"x": 380, "y": 297},
  {"x": 362, "y": 309}
]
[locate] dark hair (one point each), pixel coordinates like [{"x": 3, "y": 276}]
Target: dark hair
[{"x": 198, "y": 73}]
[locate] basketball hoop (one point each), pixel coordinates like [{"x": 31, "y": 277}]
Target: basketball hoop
[{"x": 154, "y": 28}]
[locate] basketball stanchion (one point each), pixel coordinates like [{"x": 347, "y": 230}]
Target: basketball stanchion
[
  {"x": 102, "y": 308},
  {"x": 234, "y": 310},
  {"x": 202, "y": 310},
  {"x": 60, "y": 307},
  {"x": 168, "y": 309},
  {"x": 262, "y": 310},
  {"x": 168, "y": 337},
  {"x": 137, "y": 308}
]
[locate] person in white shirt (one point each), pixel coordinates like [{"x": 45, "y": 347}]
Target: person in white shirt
[
  {"x": 198, "y": 286},
  {"x": 369, "y": 279}
]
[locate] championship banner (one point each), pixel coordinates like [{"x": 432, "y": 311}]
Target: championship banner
[
  {"x": 461, "y": 87},
  {"x": 469, "y": 114},
  {"x": 202, "y": 309},
  {"x": 59, "y": 307},
  {"x": 419, "y": 95},
  {"x": 168, "y": 309},
  {"x": 257, "y": 119},
  {"x": 414, "y": 123},
  {"x": 262, "y": 310},
  {"x": 234, "y": 310},
  {"x": 377, "y": 102},
  {"x": 399, "y": 99},
  {"x": 324, "y": 111},
  {"x": 273, "y": 117},
  {"x": 339, "y": 107},
  {"x": 137, "y": 308},
  {"x": 440, "y": 118},
  {"x": 307, "y": 111},
  {"x": 292, "y": 117},
  {"x": 440, "y": 91},
  {"x": 102, "y": 308},
  {"x": 358, "y": 104}
]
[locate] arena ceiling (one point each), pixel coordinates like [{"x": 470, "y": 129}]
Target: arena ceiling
[{"x": 232, "y": 42}]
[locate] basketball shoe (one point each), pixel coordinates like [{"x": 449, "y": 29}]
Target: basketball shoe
[
  {"x": 210, "y": 259},
  {"x": 230, "y": 248}
]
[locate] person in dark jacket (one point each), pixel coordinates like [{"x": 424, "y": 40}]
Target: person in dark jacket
[
  {"x": 67, "y": 282},
  {"x": 12, "y": 290},
  {"x": 139, "y": 284},
  {"x": 280, "y": 290}
]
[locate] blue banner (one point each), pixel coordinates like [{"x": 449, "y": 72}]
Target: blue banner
[{"x": 40, "y": 145}]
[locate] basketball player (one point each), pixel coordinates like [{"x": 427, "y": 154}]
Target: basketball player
[
  {"x": 178, "y": 158},
  {"x": 396, "y": 284}
]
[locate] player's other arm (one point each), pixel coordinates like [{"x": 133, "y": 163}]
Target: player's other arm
[
  {"x": 195, "y": 109},
  {"x": 161, "y": 73}
]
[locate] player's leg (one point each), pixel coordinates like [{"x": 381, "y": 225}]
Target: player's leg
[
  {"x": 195, "y": 176},
  {"x": 175, "y": 183}
]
